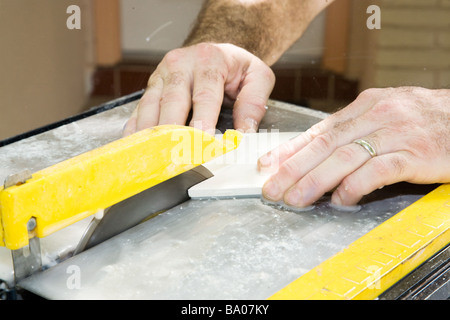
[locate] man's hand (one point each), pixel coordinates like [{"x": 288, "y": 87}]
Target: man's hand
[
  {"x": 226, "y": 55},
  {"x": 408, "y": 127},
  {"x": 198, "y": 77}
]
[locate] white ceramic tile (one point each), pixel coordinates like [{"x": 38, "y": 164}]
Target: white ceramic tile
[{"x": 235, "y": 173}]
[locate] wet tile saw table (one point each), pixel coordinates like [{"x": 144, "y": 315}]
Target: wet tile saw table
[{"x": 395, "y": 246}]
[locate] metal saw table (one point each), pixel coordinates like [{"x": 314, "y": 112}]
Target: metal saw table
[{"x": 394, "y": 246}]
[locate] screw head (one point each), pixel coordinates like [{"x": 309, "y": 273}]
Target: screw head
[{"x": 31, "y": 224}]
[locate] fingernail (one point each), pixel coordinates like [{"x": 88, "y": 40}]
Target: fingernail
[
  {"x": 338, "y": 203},
  {"x": 271, "y": 190},
  {"x": 251, "y": 125},
  {"x": 265, "y": 160},
  {"x": 343, "y": 208},
  {"x": 125, "y": 130},
  {"x": 266, "y": 165},
  {"x": 201, "y": 125},
  {"x": 336, "y": 199},
  {"x": 294, "y": 197}
]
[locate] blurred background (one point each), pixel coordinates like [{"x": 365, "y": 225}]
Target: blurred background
[{"x": 49, "y": 73}]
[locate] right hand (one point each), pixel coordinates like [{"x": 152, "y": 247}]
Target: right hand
[
  {"x": 201, "y": 76},
  {"x": 408, "y": 128}
]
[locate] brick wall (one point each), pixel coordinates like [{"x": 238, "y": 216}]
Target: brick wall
[{"x": 413, "y": 44}]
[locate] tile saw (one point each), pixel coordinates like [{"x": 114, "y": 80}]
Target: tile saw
[
  {"x": 228, "y": 248},
  {"x": 35, "y": 206}
]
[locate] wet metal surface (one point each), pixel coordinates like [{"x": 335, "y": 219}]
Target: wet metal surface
[{"x": 211, "y": 249}]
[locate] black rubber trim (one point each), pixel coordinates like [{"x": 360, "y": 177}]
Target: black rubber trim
[{"x": 93, "y": 111}]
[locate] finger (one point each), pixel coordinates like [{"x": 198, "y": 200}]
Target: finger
[
  {"x": 307, "y": 183},
  {"x": 374, "y": 174},
  {"x": 207, "y": 97},
  {"x": 148, "y": 107},
  {"x": 250, "y": 105},
  {"x": 297, "y": 166},
  {"x": 175, "y": 102},
  {"x": 271, "y": 161},
  {"x": 130, "y": 126},
  {"x": 338, "y": 129},
  {"x": 326, "y": 176},
  {"x": 318, "y": 143},
  {"x": 289, "y": 172}
]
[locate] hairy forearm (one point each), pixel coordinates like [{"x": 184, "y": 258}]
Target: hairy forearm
[{"x": 265, "y": 28}]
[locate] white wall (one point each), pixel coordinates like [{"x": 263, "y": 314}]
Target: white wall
[{"x": 152, "y": 27}]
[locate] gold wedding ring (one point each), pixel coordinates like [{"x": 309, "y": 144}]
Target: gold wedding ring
[{"x": 367, "y": 146}]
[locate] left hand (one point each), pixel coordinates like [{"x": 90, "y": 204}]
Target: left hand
[
  {"x": 200, "y": 77},
  {"x": 409, "y": 128}
]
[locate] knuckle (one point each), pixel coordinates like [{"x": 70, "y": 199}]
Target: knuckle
[
  {"x": 173, "y": 57},
  {"x": 390, "y": 166},
  {"x": 345, "y": 153},
  {"x": 287, "y": 149},
  {"x": 396, "y": 109},
  {"x": 205, "y": 49},
  {"x": 261, "y": 72},
  {"x": 213, "y": 75},
  {"x": 206, "y": 52},
  {"x": 349, "y": 188},
  {"x": 170, "y": 97},
  {"x": 204, "y": 95},
  {"x": 323, "y": 142},
  {"x": 384, "y": 107},
  {"x": 175, "y": 79},
  {"x": 315, "y": 130},
  {"x": 313, "y": 181},
  {"x": 393, "y": 113},
  {"x": 394, "y": 167},
  {"x": 254, "y": 103},
  {"x": 258, "y": 103},
  {"x": 154, "y": 80},
  {"x": 368, "y": 93},
  {"x": 379, "y": 166},
  {"x": 289, "y": 168},
  {"x": 269, "y": 74},
  {"x": 398, "y": 165},
  {"x": 165, "y": 99}
]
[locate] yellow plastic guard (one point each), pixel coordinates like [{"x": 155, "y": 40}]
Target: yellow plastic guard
[
  {"x": 67, "y": 192},
  {"x": 381, "y": 257}
]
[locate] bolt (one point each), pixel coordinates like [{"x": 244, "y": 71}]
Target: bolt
[{"x": 31, "y": 224}]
